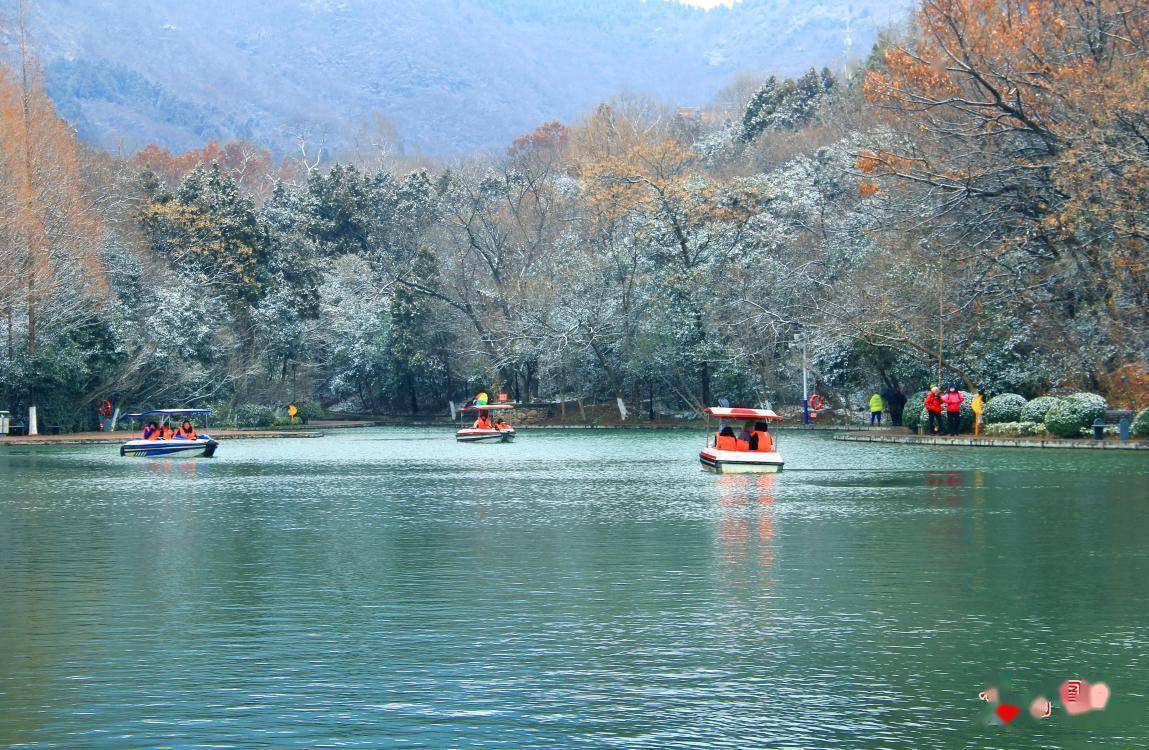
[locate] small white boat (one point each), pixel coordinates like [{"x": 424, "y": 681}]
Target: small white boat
[
  {"x": 473, "y": 435},
  {"x": 204, "y": 445},
  {"x": 741, "y": 461},
  {"x": 486, "y": 434}
]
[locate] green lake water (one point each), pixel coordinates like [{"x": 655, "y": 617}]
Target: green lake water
[{"x": 390, "y": 588}]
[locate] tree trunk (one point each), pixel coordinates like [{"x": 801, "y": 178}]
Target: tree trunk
[{"x": 611, "y": 377}]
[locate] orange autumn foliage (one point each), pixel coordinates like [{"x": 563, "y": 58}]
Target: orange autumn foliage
[
  {"x": 50, "y": 233},
  {"x": 1038, "y": 111},
  {"x": 248, "y": 165}
]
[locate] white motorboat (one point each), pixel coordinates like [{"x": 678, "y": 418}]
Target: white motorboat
[
  {"x": 203, "y": 445},
  {"x": 734, "y": 457}
]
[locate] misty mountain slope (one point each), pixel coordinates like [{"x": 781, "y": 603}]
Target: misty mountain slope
[{"x": 453, "y": 75}]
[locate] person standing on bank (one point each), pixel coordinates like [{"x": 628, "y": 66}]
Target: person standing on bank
[
  {"x": 977, "y": 403},
  {"x": 876, "y": 407},
  {"x": 896, "y": 403},
  {"x": 934, "y": 410},
  {"x": 953, "y": 401}
]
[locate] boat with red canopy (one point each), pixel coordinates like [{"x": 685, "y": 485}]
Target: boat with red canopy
[
  {"x": 725, "y": 453},
  {"x": 490, "y": 434}
]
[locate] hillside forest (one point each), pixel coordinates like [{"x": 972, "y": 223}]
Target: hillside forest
[{"x": 970, "y": 204}]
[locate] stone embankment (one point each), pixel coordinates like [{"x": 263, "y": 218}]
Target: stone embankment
[{"x": 995, "y": 442}]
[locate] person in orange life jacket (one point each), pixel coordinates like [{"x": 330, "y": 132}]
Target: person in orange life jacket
[
  {"x": 744, "y": 436},
  {"x": 502, "y": 424},
  {"x": 186, "y": 431},
  {"x": 761, "y": 440},
  {"x": 150, "y": 432},
  {"x": 166, "y": 431},
  {"x": 726, "y": 441},
  {"x": 934, "y": 410},
  {"x": 953, "y": 401},
  {"x": 483, "y": 422}
]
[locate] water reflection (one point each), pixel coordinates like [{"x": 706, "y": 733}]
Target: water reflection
[
  {"x": 746, "y": 526},
  {"x": 167, "y": 467}
]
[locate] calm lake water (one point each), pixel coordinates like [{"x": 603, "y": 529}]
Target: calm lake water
[{"x": 389, "y": 588}]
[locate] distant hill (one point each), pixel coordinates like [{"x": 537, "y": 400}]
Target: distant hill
[{"x": 452, "y": 75}]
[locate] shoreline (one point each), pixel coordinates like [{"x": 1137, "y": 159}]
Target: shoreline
[
  {"x": 969, "y": 441},
  {"x": 105, "y": 438}
]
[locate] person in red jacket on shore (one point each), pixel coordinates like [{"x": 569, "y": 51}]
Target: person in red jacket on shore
[
  {"x": 953, "y": 401},
  {"x": 934, "y": 410}
]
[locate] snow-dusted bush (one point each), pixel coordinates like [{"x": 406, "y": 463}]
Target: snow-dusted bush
[
  {"x": 1003, "y": 429},
  {"x": 253, "y": 415},
  {"x": 1141, "y": 424},
  {"x": 1073, "y": 414},
  {"x": 1034, "y": 411},
  {"x": 1014, "y": 429},
  {"x": 915, "y": 407},
  {"x": 309, "y": 410},
  {"x": 1029, "y": 429},
  {"x": 1005, "y": 407}
]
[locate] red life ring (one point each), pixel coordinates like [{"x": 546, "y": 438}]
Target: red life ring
[
  {"x": 816, "y": 402},
  {"x": 105, "y": 409}
]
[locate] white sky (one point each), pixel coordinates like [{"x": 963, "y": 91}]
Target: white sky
[{"x": 707, "y": 3}]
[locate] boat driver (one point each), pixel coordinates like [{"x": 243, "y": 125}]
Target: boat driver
[{"x": 483, "y": 422}]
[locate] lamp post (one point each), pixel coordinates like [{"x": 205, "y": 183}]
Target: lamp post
[{"x": 801, "y": 339}]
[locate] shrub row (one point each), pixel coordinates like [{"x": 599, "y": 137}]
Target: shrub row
[{"x": 1009, "y": 414}]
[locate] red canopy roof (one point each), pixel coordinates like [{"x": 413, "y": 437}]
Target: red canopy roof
[
  {"x": 488, "y": 407},
  {"x": 737, "y": 412}
]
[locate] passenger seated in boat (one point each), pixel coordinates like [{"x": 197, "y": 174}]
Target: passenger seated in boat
[
  {"x": 761, "y": 440},
  {"x": 151, "y": 432},
  {"x": 502, "y": 424},
  {"x": 483, "y": 422},
  {"x": 744, "y": 436},
  {"x": 186, "y": 431},
  {"x": 726, "y": 440},
  {"x": 165, "y": 432}
]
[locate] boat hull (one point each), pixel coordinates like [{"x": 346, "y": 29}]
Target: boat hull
[
  {"x": 203, "y": 446},
  {"x": 740, "y": 462},
  {"x": 472, "y": 435}
]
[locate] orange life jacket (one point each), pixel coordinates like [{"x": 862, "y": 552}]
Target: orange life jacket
[
  {"x": 483, "y": 423},
  {"x": 189, "y": 433},
  {"x": 727, "y": 443},
  {"x": 166, "y": 433},
  {"x": 765, "y": 441}
]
